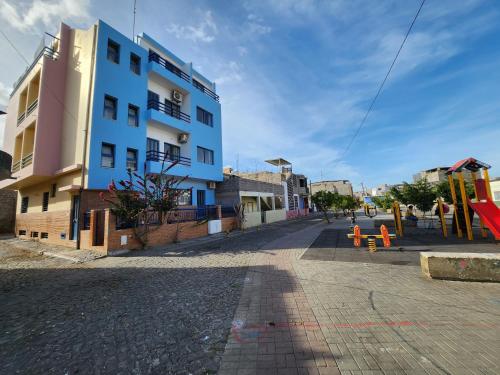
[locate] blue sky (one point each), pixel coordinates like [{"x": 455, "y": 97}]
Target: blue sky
[{"x": 296, "y": 76}]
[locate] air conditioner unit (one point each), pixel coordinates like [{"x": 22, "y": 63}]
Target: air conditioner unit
[
  {"x": 183, "y": 137},
  {"x": 211, "y": 184},
  {"x": 177, "y": 96}
]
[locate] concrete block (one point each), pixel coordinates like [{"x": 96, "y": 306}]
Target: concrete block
[{"x": 461, "y": 266}]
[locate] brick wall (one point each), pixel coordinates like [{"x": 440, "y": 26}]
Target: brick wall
[
  {"x": 229, "y": 224},
  {"x": 162, "y": 235},
  {"x": 53, "y": 223},
  {"x": 7, "y": 210}
]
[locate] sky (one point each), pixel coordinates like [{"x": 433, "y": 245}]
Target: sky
[{"x": 296, "y": 77}]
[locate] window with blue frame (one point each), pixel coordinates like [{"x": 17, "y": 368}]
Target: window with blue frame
[
  {"x": 110, "y": 107},
  {"x": 107, "y": 155},
  {"x": 113, "y": 51},
  {"x": 204, "y": 117},
  {"x": 131, "y": 159},
  {"x": 205, "y": 155},
  {"x": 135, "y": 64},
  {"x": 133, "y": 115}
]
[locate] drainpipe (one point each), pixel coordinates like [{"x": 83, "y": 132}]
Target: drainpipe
[{"x": 86, "y": 132}]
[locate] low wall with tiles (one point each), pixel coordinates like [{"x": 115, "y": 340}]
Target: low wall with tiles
[
  {"x": 124, "y": 239},
  {"x": 275, "y": 215},
  {"x": 50, "y": 227},
  {"x": 252, "y": 219}
]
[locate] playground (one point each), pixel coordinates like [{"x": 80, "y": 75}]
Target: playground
[{"x": 398, "y": 243}]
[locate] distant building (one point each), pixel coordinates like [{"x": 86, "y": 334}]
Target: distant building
[
  {"x": 437, "y": 175},
  {"x": 381, "y": 190},
  {"x": 343, "y": 187},
  {"x": 495, "y": 190},
  {"x": 296, "y": 196}
]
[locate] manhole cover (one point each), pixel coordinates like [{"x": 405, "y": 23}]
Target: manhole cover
[{"x": 400, "y": 262}]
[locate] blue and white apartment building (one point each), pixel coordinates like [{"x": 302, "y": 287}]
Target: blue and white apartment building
[
  {"x": 149, "y": 105},
  {"x": 93, "y": 105}
]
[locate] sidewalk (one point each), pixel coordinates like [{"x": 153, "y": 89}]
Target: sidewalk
[
  {"x": 325, "y": 317},
  {"x": 54, "y": 251}
]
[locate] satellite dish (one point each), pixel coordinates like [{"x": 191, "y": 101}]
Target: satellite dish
[{"x": 5, "y": 164}]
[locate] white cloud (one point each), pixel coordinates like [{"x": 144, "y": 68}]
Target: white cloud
[
  {"x": 42, "y": 13},
  {"x": 4, "y": 94},
  {"x": 256, "y": 25},
  {"x": 230, "y": 73},
  {"x": 204, "y": 32}
]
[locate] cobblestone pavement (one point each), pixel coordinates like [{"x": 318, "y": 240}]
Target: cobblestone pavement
[
  {"x": 315, "y": 317},
  {"x": 150, "y": 312}
]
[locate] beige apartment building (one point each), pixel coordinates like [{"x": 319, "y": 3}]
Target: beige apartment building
[{"x": 343, "y": 187}]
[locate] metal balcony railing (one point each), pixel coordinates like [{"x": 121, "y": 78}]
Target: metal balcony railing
[
  {"x": 169, "y": 108},
  {"x": 153, "y": 155},
  {"x": 21, "y": 118},
  {"x": 46, "y": 51},
  {"x": 27, "y": 160},
  {"x": 153, "y": 56},
  {"x": 204, "y": 90},
  {"x": 16, "y": 166},
  {"x": 32, "y": 107}
]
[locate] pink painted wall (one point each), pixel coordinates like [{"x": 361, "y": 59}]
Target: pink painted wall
[{"x": 47, "y": 151}]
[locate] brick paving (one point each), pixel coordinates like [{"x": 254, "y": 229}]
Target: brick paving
[
  {"x": 250, "y": 304},
  {"x": 152, "y": 312},
  {"x": 301, "y": 316}
]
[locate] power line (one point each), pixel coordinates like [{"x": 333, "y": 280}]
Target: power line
[{"x": 383, "y": 82}]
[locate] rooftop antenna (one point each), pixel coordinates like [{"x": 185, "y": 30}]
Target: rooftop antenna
[{"x": 133, "y": 24}]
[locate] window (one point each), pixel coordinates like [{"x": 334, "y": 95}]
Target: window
[
  {"x": 200, "y": 198},
  {"x": 205, "y": 155},
  {"x": 172, "y": 152},
  {"x": 22, "y": 232},
  {"x": 45, "y": 201},
  {"x": 110, "y": 105},
  {"x": 113, "y": 51},
  {"x": 131, "y": 159},
  {"x": 44, "y": 235},
  {"x": 53, "y": 190},
  {"x": 24, "y": 204},
  {"x": 153, "y": 149},
  {"x": 172, "y": 109},
  {"x": 34, "y": 234},
  {"x": 153, "y": 100},
  {"x": 302, "y": 182},
  {"x": 135, "y": 63},
  {"x": 204, "y": 116},
  {"x": 107, "y": 155},
  {"x": 184, "y": 197},
  {"x": 496, "y": 195},
  {"x": 133, "y": 115}
]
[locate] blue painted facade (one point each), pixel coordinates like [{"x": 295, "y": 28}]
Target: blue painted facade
[{"x": 118, "y": 81}]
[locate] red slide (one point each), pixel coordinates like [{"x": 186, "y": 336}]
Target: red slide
[{"x": 489, "y": 213}]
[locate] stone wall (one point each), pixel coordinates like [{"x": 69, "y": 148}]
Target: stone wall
[{"x": 7, "y": 210}]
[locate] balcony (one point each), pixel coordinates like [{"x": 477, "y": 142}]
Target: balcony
[
  {"x": 24, "y": 162},
  {"x": 32, "y": 107},
  {"x": 21, "y": 118},
  {"x": 46, "y": 51},
  {"x": 153, "y": 155},
  {"x": 153, "y": 56},
  {"x": 170, "y": 109},
  {"x": 204, "y": 90}
]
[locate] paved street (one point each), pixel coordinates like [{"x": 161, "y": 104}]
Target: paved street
[{"x": 250, "y": 304}]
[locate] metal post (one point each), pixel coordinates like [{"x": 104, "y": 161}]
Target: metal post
[
  {"x": 455, "y": 204},
  {"x": 463, "y": 193}
]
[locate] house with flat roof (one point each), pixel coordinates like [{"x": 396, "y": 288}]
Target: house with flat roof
[{"x": 95, "y": 105}]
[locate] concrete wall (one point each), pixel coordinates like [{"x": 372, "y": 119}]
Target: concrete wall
[
  {"x": 252, "y": 219},
  {"x": 7, "y": 210},
  {"x": 274, "y": 215}
]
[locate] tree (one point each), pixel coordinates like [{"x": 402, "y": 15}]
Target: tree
[
  {"x": 421, "y": 194},
  {"x": 385, "y": 202},
  {"x": 324, "y": 200},
  {"x": 443, "y": 190},
  {"x": 142, "y": 201},
  {"x": 348, "y": 203}
]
